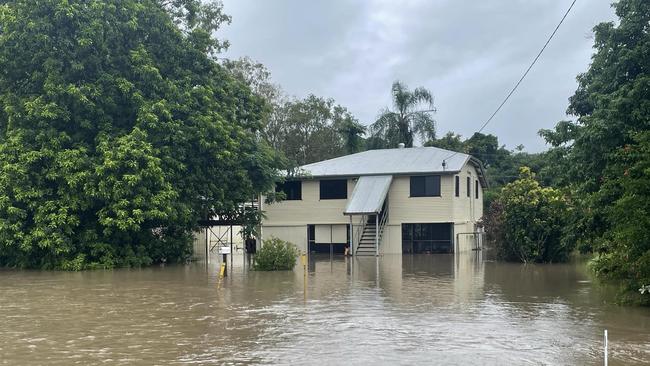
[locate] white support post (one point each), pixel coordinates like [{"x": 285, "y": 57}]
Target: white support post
[
  {"x": 351, "y": 237},
  {"x": 606, "y": 347}
]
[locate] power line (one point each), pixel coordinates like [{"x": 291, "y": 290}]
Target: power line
[{"x": 524, "y": 75}]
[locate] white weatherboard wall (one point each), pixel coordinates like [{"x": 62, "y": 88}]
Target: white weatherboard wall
[
  {"x": 288, "y": 220},
  {"x": 406, "y": 209},
  {"x": 392, "y": 240},
  {"x": 296, "y": 235},
  {"x": 309, "y": 210},
  {"x": 463, "y": 211},
  {"x": 467, "y": 210}
]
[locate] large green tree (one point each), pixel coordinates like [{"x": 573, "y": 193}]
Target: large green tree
[
  {"x": 119, "y": 131},
  {"x": 501, "y": 165},
  {"x": 525, "y": 223},
  {"x": 612, "y": 106},
  {"x": 411, "y": 115},
  {"x": 625, "y": 251},
  {"x": 305, "y": 130},
  {"x": 258, "y": 78},
  {"x": 314, "y": 129}
]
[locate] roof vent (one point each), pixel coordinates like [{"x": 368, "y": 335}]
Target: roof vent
[{"x": 400, "y": 145}]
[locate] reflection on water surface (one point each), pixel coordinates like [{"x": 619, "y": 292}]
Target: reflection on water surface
[{"x": 423, "y": 309}]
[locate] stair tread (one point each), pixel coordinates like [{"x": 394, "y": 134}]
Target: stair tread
[{"x": 366, "y": 245}]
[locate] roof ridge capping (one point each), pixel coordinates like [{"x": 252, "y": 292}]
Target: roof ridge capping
[{"x": 397, "y": 149}]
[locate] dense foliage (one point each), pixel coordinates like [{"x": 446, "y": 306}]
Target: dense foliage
[
  {"x": 526, "y": 221},
  {"x": 276, "y": 255},
  {"x": 604, "y": 154},
  {"x": 315, "y": 129},
  {"x": 624, "y": 249},
  {"x": 305, "y": 130},
  {"x": 118, "y": 131}
]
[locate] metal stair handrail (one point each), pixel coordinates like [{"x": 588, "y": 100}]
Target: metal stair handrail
[{"x": 382, "y": 223}]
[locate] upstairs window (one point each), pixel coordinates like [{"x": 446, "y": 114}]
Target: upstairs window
[
  {"x": 476, "y": 189},
  {"x": 292, "y": 189},
  {"x": 333, "y": 189},
  {"x": 469, "y": 187},
  {"x": 457, "y": 186},
  {"x": 425, "y": 186}
]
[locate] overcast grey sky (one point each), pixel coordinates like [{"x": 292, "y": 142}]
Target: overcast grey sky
[{"x": 468, "y": 53}]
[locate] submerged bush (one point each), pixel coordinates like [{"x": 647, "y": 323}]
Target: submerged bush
[
  {"x": 276, "y": 255},
  {"x": 525, "y": 223}
]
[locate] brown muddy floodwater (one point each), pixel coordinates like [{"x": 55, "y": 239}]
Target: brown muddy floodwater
[{"x": 426, "y": 309}]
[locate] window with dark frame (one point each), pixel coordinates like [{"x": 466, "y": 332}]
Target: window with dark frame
[
  {"x": 292, "y": 189},
  {"x": 333, "y": 189},
  {"x": 469, "y": 187},
  {"x": 457, "y": 186},
  {"x": 476, "y": 189},
  {"x": 425, "y": 186}
]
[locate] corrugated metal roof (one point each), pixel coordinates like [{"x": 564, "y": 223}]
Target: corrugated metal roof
[
  {"x": 389, "y": 161},
  {"x": 369, "y": 194}
]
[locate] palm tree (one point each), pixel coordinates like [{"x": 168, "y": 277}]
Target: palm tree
[{"x": 411, "y": 115}]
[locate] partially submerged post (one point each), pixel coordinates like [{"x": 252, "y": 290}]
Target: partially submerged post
[
  {"x": 351, "y": 243},
  {"x": 303, "y": 260},
  {"x": 225, "y": 250},
  {"x": 207, "y": 246},
  {"x": 605, "y": 347}
]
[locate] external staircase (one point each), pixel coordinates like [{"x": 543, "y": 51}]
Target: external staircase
[
  {"x": 369, "y": 207},
  {"x": 367, "y": 244}
]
